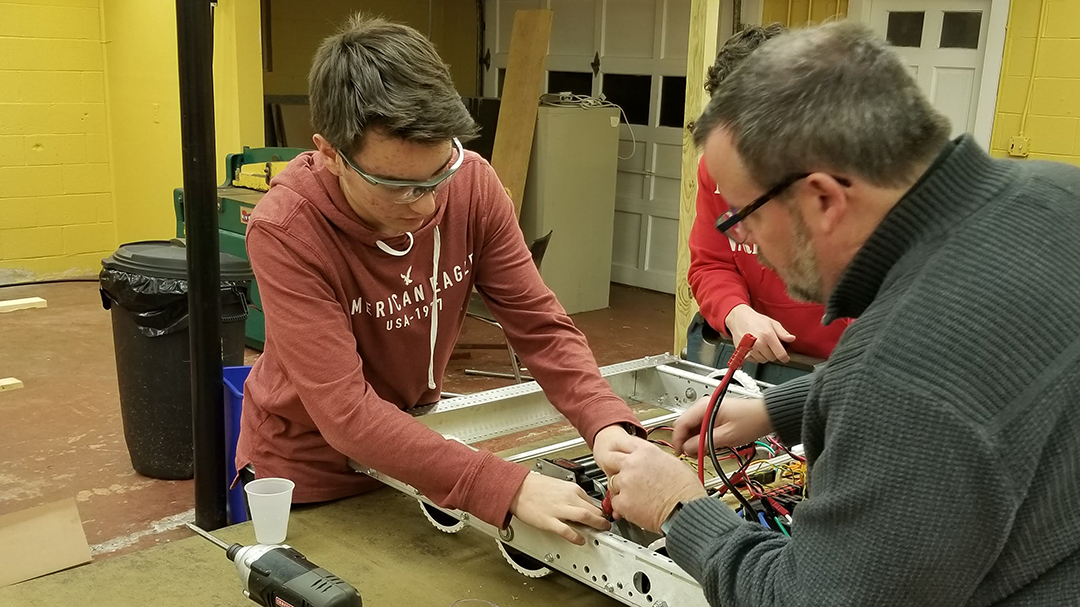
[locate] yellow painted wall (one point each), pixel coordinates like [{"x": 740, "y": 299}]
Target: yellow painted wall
[
  {"x": 456, "y": 42},
  {"x": 297, "y": 29},
  {"x": 56, "y": 206},
  {"x": 238, "y": 78},
  {"x": 1053, "y": 107},
  {"x": 144, "y": 114},
  {"x": 90, "y": 124},
  {"x": 144, "y": 104},
  {"x": 818, "y": 11}
]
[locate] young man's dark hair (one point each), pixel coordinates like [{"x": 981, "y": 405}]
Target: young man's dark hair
[
  {"x": 737, "y": 48},
  {"x": 378, "y": 74}
]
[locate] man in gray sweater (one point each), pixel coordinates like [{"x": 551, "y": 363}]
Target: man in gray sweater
[{"x": 943, "y": 434}]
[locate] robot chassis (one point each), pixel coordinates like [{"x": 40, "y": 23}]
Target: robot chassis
[{"x": 627, "y": 563}]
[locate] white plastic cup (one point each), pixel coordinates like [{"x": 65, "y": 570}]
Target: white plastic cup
[{"x": 270, "y": 500}]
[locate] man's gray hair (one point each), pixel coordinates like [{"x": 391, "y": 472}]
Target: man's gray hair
[
  {"x": 829, "y": 98},
  {"x": 378, "y": 74}
]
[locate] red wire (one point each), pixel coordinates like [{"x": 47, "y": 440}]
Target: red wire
[
  {"x": 781, "y": 446},
  {"x": 704, "y": 422},
  {"x": 737, "y": 478},
  {"x": 736, "y": 361}
]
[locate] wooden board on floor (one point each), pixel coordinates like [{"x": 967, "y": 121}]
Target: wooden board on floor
[
  {"x": 27, "y": 303},
  {"x": 10, "y": 383},
  {"x": 701, "y": 53},
  {"x": 520, "y": 100}
]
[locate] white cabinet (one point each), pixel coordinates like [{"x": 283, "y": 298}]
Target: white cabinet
[{"x": 570, "y": 191}]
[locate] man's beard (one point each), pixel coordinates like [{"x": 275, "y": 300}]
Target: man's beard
[{"x": 802, "y": 279}]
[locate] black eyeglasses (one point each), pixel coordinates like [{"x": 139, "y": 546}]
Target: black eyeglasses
[{"x": 730, "y": 223}]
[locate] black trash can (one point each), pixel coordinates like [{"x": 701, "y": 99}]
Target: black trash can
[{"x": 145, "y": 286}]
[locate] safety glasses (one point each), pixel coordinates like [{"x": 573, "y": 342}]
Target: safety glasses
[{"x": 408, "y": 192}]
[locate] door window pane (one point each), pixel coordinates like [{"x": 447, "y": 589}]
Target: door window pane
[
  {"x": 633, "y": 93},
  {"x": 905, "y": 28},
  {"x": 578, "y": 83},
  {"x": 672, "y": 100},
  {"x": 960, "y": 30}
]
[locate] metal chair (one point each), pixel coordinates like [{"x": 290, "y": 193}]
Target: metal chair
[{"x": 479, "y": 310}]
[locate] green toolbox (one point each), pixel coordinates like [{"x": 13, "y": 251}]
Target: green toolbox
[{"x": 249, "y": 178}]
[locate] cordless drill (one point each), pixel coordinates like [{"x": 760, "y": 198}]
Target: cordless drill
[{"x": 279, "y": 576}]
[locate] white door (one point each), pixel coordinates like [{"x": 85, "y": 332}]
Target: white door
[
  {"x": 634, "y": 53},
  {"x": 943, "y": 43}
]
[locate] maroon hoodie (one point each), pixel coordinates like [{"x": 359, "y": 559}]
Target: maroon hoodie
[{"x": 360, "y": 328}]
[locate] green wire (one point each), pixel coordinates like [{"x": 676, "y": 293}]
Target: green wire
[
  {"x": 766, "y": 445},
  {"x": 780, "y": 524}
]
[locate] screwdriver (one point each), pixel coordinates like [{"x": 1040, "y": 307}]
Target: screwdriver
[{"x": 279, "y": 576}]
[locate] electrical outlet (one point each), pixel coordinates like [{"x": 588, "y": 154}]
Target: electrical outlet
[{"x": 1018, "y": 146}]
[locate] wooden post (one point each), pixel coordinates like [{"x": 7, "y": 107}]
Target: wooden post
[
  {"x": 520, "y": 100},
  {"x": 704, "y": 18}
]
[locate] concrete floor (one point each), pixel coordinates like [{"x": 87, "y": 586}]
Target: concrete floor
[{"x": 61, "y": 435}]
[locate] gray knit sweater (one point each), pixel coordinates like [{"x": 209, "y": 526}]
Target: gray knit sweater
[{"x": 943, "y": 433}]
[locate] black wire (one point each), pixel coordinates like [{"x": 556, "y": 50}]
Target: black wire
[
  {"x": 48, "y": 282},
  {"x": 748, "y": 509},
  {"x": 735, "y": 451},
  {"x": 797, "y": 458}
]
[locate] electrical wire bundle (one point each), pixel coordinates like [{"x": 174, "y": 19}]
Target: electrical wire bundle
[
  {"x": 566, "y": 99},
  {"x": 705, "y": 439},
  {"x": 774, "y": 505}
]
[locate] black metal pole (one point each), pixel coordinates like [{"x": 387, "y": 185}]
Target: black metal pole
[{"x": 194, "y": 31}]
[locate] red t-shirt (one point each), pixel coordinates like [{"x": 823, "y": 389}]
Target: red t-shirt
[{"x": 724, "y": 274}]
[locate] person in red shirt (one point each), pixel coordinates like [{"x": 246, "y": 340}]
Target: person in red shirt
[
  {"x": 735, "y": 292},
  {"x": 366, "y": 252}
]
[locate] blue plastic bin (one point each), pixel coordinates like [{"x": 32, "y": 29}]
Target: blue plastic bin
[{"x": 234, "y": 378}]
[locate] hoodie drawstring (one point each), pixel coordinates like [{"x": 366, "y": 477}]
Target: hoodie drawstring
[
  {"x": 434, "y": 309},
  {"x": 386, "y": 248}
]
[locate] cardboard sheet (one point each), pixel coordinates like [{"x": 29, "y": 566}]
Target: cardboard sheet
[{"x": 41, "y": 540}]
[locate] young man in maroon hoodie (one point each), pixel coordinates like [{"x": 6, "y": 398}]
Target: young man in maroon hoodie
[{"x": 366, "y": 252}]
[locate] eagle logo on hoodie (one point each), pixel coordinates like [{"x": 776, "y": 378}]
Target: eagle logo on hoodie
[{"x": 407, "y": 277}]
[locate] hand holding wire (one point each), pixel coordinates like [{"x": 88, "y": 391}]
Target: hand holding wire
[
  {"x": 736, "y": 361},
  {"x": 648, "y": 483}
]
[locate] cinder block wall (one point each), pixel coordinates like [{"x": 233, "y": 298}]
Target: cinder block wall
[
  {"x": 90, "y": 124},
  {"x": 56, "y": 207},
  {"x": 1053, "y": 109},
  {"x": 818, "y": 11}
]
